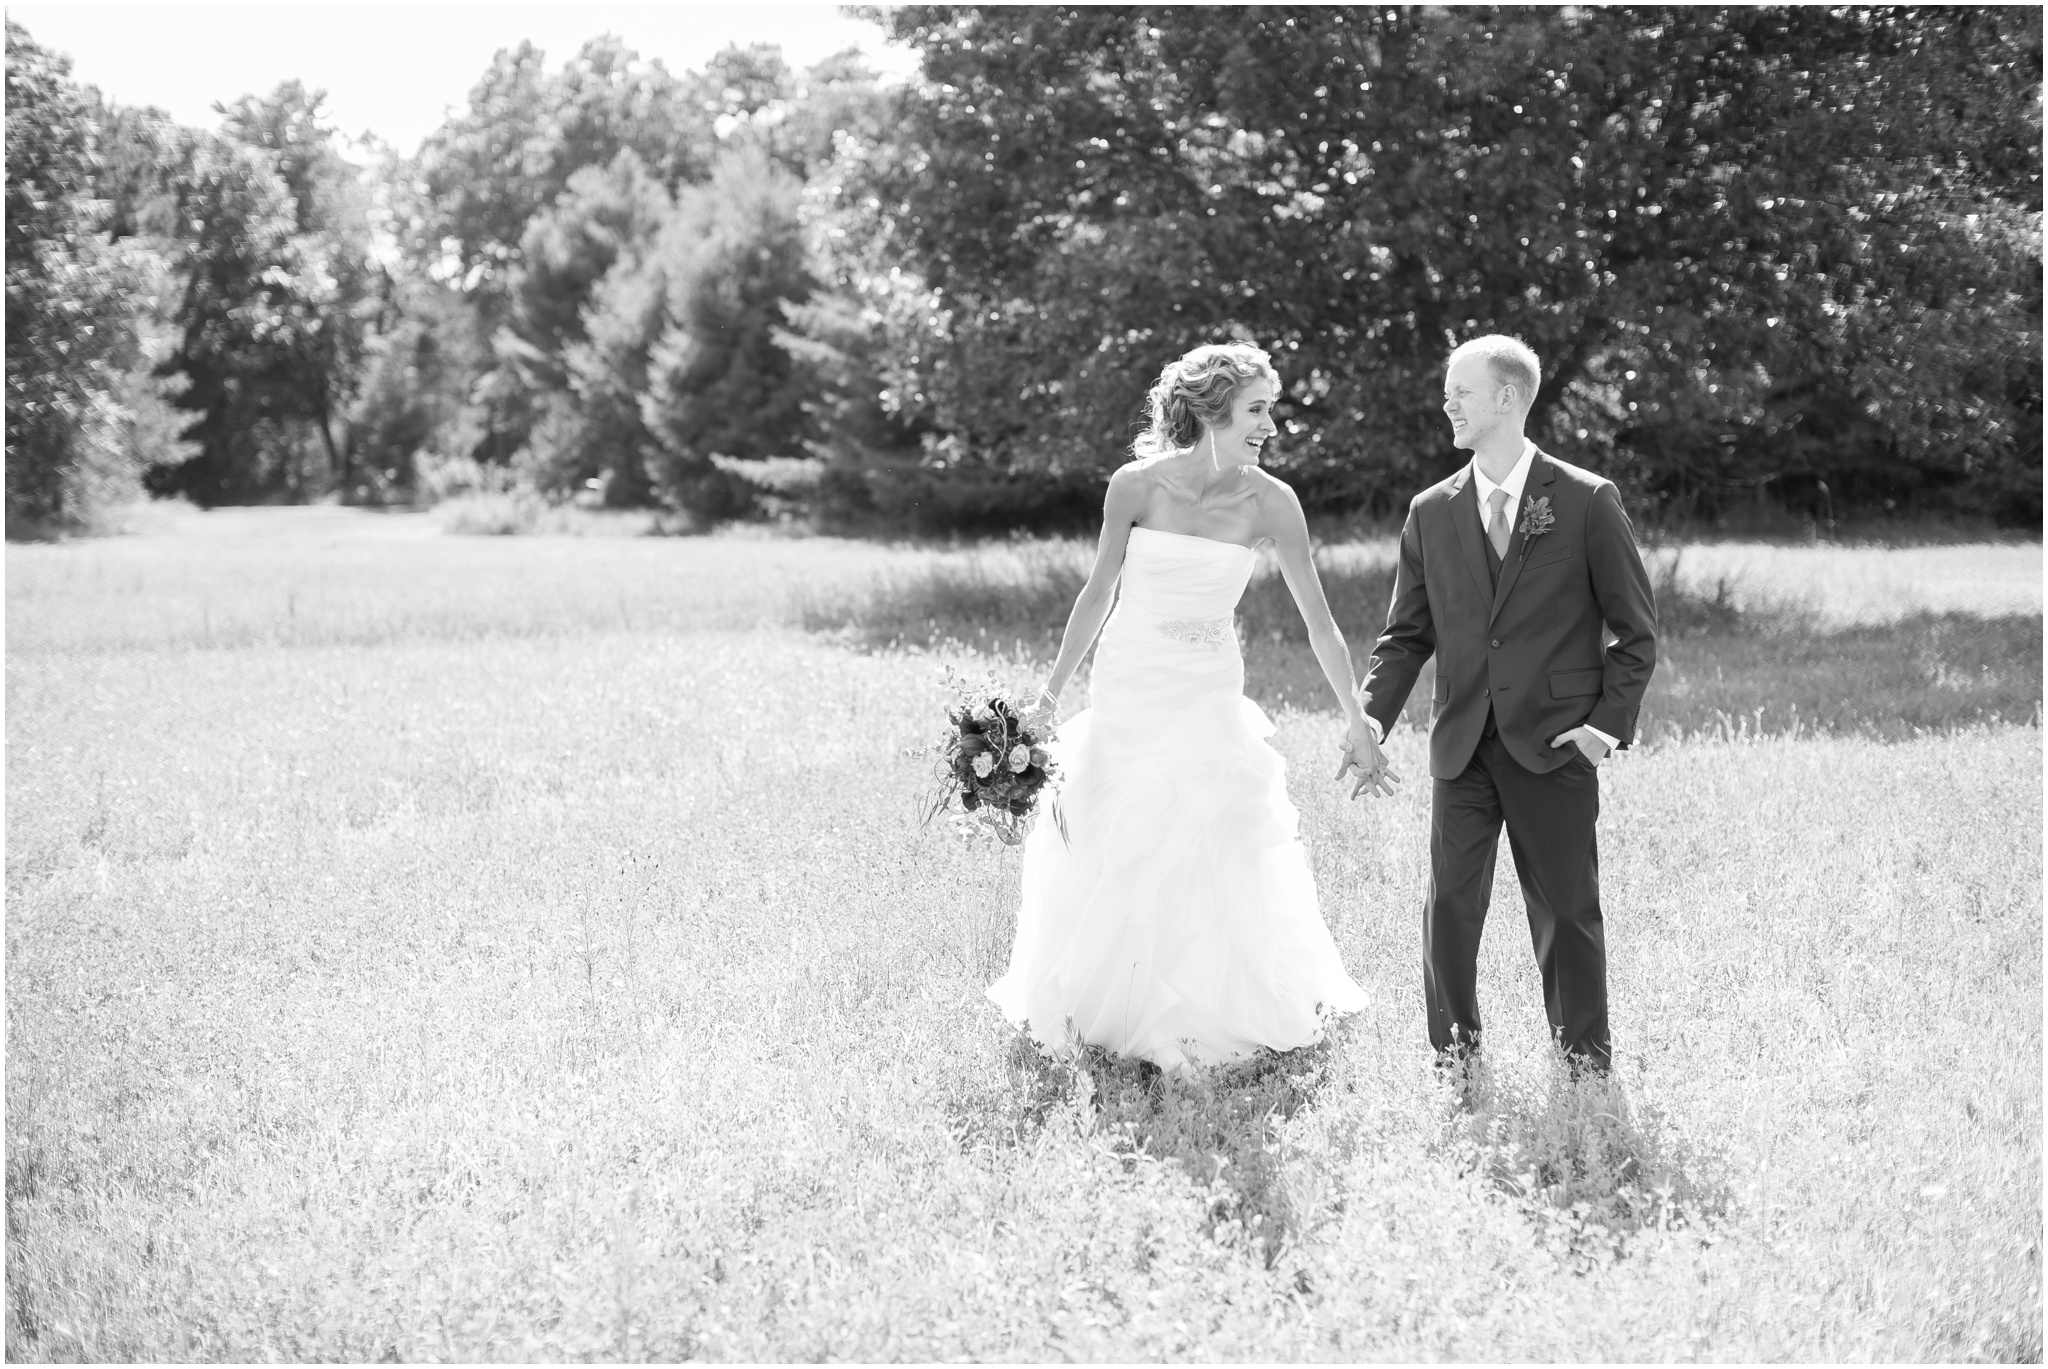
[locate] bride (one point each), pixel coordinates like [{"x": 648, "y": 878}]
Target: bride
[{"x": 1176, "y": 921}]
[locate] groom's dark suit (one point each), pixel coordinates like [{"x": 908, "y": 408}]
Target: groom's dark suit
[{"x": 1518, "y": 646}]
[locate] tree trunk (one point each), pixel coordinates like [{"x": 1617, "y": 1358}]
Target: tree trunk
[
  {"x": 337, "y": 454},
  {"x": 1562, "y": 371}
]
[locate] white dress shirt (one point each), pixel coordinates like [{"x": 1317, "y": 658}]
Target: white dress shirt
[{"x": 1515, "y": 479}]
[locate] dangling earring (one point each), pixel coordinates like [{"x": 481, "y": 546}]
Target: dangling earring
[{"x": 1213, "y": 465}]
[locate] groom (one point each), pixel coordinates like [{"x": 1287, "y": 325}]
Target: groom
[{"x": 1508, "y": 571}]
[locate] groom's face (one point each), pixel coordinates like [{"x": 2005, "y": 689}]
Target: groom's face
[{"x": 1475, "y": 400}]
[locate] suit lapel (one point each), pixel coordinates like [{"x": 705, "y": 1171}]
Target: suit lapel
[
  {"x": 1541, "y": 474},
  {"x": 1465, "y": 514}
]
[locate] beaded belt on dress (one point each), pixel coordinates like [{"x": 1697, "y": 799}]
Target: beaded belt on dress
[{"x": 1208, "y": 632}]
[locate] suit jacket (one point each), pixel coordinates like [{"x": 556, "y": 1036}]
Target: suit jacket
[{"x": 1529, "y": 648}]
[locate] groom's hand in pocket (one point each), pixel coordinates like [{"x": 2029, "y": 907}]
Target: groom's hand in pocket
[{"x": 1589, "y": 743}]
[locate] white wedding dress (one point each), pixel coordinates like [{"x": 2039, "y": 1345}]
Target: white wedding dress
[{"x": 1177, "y": 922}]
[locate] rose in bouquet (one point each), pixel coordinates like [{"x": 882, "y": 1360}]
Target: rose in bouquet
[{"x": 991, "y": 762}]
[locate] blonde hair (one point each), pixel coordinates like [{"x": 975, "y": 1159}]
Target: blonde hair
[
  {"x": 1197, "y": 389},
  {"x": 1511, "y": 360}
]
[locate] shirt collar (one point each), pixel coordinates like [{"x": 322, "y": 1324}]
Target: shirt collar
[{"x": 1516, "y": 478}]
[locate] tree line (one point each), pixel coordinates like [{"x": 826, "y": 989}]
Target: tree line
[{"x": 1749, "y": 244}]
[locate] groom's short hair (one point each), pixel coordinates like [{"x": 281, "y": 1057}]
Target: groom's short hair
[{"x": 1512, "y": 361}]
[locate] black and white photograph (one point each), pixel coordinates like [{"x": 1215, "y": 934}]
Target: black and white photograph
[{"x": 1097, "y": 683}]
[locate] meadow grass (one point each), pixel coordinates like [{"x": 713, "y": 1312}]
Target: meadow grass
[
  {"x": 450, "y": 963},
  {"x": 517, "y": 512}
]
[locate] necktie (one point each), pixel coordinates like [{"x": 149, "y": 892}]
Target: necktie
[{"x": 1497, "y": 523}]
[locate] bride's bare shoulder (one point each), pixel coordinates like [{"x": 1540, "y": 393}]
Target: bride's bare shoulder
[
  {"x": 1129, "y": 491},
  {"x": 1269, "y": 490},
  {"x": 1135, "y": 473},
  {"x": 1278, "y": 508}
]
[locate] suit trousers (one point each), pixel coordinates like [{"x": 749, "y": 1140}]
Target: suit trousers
[{"x": 1550, "y": 820}]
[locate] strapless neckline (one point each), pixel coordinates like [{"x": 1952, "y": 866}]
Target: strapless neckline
[{"x": 1193, "y": 537}]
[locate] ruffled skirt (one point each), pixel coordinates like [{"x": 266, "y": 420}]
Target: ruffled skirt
[{"x": 1177, "y": 920}]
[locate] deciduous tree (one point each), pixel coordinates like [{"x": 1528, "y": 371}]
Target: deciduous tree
[
  {"x": 279, "y": 296},
  {"x": 83, "y": 411},
  {"x": 1741, "y": 238}
]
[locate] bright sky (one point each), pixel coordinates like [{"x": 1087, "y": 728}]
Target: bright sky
[{"x": 394, "y": 69}]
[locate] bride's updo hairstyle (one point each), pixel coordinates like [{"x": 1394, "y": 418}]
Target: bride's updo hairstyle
[{"x": 1198, "y": 389}]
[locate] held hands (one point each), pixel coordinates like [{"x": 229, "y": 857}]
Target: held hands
[
  {"x": 1590, "y": 746},
  {"x": 1363, "y": 759}
]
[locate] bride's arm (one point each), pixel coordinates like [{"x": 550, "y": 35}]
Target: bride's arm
[
  {"x": 1283, "y": 522},
  {"x": 1120, "y": 509}
]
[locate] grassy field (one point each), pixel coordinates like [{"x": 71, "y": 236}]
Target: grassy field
[{"x": 426, "y": 947}]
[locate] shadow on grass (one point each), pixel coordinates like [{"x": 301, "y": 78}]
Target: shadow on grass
[
  {"x": 1723, "y": 670},
  {"x": 1220, "y": 1122},
  {"x": 1591, "y": 1170},
  {"x": 982, "y": 596},
  {"x": 1027, "y": 588},
  {"x": 1930, "y": 672}
]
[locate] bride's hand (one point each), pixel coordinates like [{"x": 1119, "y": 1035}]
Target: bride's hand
[
  {"x": 1363, "y": 759},
  {"x": 1044, "y": 711}
]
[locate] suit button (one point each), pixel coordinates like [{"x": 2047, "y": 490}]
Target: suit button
[
  {"x": 1494, "y": 642},
  {"x": 1484, "y": 693}
]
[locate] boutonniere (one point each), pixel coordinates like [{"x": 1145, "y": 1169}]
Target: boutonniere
[{"x": 1536, "y": 520}]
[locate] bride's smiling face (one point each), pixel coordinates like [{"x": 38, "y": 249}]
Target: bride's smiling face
[{"x": 1241, "y": 440}]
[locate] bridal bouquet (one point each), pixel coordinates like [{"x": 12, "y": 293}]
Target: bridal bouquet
[{"x": 991, "y": 762}]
